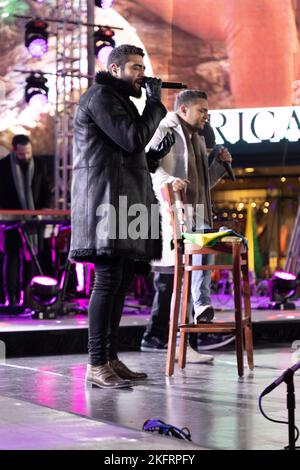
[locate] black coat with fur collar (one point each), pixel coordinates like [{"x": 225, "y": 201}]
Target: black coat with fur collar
[{"x": 109, "y": 162}]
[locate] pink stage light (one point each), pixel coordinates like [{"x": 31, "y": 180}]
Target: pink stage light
[
  {"x": 38, "y": 47},
  {"x": 104, "y": 3},
  {"x": 285, "y": 275},
  {"x": 103, "y": 54},
  {"x": 80, "y": 277},
  {"x": 43, "y": 281},
  {"x": 38, "y": 101}
]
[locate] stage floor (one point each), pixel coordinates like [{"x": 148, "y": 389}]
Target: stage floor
[
  {"x": 45, "y": 405},
  {"x": 138, "y": 315},
  {"x": 68, "y": 334}
]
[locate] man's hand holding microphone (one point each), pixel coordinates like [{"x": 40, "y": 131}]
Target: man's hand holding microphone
[
  {"x": 153, "y": 87},
  {"x": 224, "y": 156}
]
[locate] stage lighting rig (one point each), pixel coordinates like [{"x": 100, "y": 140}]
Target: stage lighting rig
[
  {"x": 36, "y": 38},
  {"x": 36, "y": 91},
  {"x": 103, "y": 43}
]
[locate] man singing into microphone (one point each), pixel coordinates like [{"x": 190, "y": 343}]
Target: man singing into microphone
[
  {"x": 110, "y": 168},
  {"x": 185, "y": 166}
]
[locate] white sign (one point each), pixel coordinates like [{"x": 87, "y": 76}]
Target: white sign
[{"x": 255, "y": 125}]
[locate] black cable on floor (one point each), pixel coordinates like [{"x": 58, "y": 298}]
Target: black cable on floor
[{"x": 275, "y": 420}]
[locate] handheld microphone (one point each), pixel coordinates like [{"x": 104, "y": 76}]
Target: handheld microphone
[
  {"x": 229, "y": 170},
  {"x": 281, "y": 378},
  {"x": 226, "y": 165},
  {"x": 170, "y": 85}
]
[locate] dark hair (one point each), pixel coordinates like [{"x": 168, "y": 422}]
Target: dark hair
[
  {"x": 188, "y": 96},
  {"x": 119, "y": 54},
  {"x": 20, "y": 139}
]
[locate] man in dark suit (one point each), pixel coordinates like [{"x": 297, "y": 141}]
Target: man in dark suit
[{"x": 23, "y": 185}]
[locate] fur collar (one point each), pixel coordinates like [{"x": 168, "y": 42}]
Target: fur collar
[{"x": 119, "y": 85}]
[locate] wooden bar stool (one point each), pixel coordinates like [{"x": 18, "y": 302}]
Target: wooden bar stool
[{"x": 184, "y": 251}]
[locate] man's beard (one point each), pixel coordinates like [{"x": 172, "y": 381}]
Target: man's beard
[
  {"x": 136, "y": 92},
  {"x": 132, "y": 90},
  {"x": 23, "y": 163}
]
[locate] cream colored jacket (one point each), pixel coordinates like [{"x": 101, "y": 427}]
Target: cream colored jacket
[{"x": 175, "y": 165}]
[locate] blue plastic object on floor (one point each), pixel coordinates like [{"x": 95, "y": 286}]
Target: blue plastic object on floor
[{"x": 156, "y": 425}]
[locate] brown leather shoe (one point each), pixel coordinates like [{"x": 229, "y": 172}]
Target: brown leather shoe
[
  {"x": 104, "y": 377},
  {"x": 125, "y": 373}
]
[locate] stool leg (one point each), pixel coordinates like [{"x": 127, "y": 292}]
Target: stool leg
[
  {"x": 248, "y": 328},
  {"x": 249, "y": 345},
  {"x": 238, "y": 308},
  {"x": 174, "y": 315},
  {"x": 184, "y": 316}
]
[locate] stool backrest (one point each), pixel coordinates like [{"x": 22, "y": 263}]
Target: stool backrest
[{"x": 179, "y": 211}]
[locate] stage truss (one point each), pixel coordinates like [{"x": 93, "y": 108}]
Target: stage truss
[{"x": 70, "y": 46}]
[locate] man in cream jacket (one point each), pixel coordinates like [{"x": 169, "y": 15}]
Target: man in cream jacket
[{"x": 185, "y": 166}]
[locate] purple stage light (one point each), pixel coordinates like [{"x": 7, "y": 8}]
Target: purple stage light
[
  {"x": 44, "y": 281},
  {"x": 286, "y": 276},
  {"x": 103, "y": 54},
  {"x": 80, "y": 277},
  {"x": 38, "y": 47},
  {"x": 36, "y": 37},
  {"x": 107, "y": 3},
  {"x": 36, "y": 91},
  {"x": 104, "y": 43},
  {"x": 44, "y": 297},
  {"x": 104, "y": 3},
  {"x": 38, "y": 101},
  {"x": 284, "y": 287}
]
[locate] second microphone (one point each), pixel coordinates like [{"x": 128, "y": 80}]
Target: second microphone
[{"x": 170, "y": 85}]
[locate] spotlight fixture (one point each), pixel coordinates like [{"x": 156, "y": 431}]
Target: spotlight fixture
[
  {"x": 104, "y": 3},
  {"x": 44, "y": 297},
  {"x": 284, "y": 286},
  {"x": 36, "y": 38},
  {"x": 103, "y": 44},
  {"x": 36, "y": 91}
]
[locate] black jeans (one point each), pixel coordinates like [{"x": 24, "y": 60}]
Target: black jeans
[
  {"x": 15, "y": 278},
  {"x": 158, "y": 325},
  {"x": 113, "y": 276},
  {"x": 13, "y": 244},
  {"x": 2, "y": 278}
]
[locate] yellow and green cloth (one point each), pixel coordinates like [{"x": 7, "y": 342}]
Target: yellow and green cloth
[
  {"x": 254, "y": 256},
  {"x": 209, "y": 239}
]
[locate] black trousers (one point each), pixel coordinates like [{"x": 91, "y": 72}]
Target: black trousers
[
  {"x": 15, "y": 280},
  {"x": 13, "y": 244},
  {"x": 113, "y": 276},
  {"x": 2, "y": 279},
  {"x": 158, "y": 325}
]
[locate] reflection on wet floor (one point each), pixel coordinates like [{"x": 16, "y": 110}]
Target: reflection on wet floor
[{"x": 220, "y": 409}]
